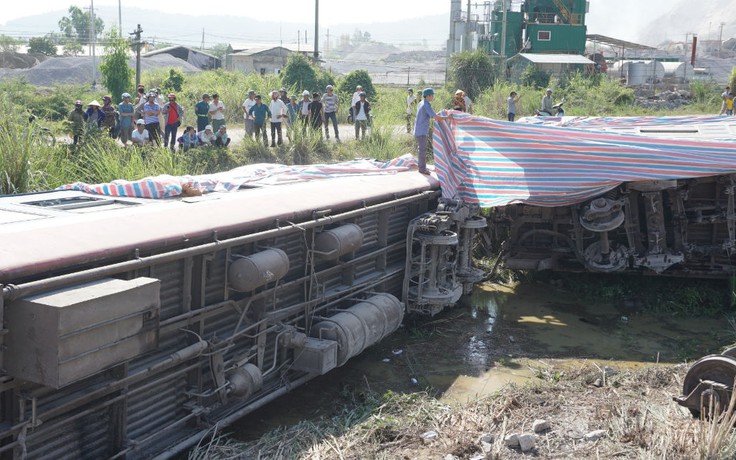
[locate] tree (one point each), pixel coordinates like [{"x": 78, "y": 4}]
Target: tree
[
  {"x": 219, "y": 50},
  {"x": 42, "y": 45},
  {"x": 473, "y": 71},
  {"x": 355, "y": 78},
  {"x": 116, "y": 75},
  {"x": 73, "y": 49},
  {"x": 9, "y": 44},
  {"x": 300, "y": 73},
  {"x": 175, "y": 80},
  {"x": 76, "y": 25}
]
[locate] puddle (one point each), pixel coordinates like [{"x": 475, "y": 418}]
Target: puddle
[{"x": 499, "y": 335}]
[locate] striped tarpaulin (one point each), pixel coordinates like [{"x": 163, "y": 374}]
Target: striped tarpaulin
[
  {"x": 165, "y": 186},
  {"x": 495, "y": 163},
  {"x": 640, "y": 121}
]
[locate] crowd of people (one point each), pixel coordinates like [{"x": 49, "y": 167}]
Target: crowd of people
[{"x": 148, "y": 119}]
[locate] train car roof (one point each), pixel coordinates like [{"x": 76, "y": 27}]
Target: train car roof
[{"x": 52, "y": 230}]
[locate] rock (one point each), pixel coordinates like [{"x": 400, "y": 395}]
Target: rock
[
  {"x": 540, "y": 426},
  {"x": 486, "y": 447},
  {"x": 598, "y": 383},
  {"x": 527, "y": 442},
  {"x": 595, "y": 435},
  {"x": 478, "y": 457},
  {"x": 511, "y": 440},
  {"x": 451, "y": 457},
  {"x": 486, "y": 437},
  {"x": 429, "y": 435}
]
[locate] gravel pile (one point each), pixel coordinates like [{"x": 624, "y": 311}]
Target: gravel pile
[
  {"x": 77, "y": 70},
  {"x": 667, "y": 100}
]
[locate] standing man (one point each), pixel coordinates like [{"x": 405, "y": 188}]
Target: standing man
[
  {"x": 303, "y": 108},
  {"x": 511, "y": 106},
  {"x": 353, "y": 100},
  {"x": 421, "y": 126},
  {"x": 151, "y": 111},
  {"x": 292, "y": 110},
  {"x": 249, "y": 102},
  {"x": 202, "y": 110},
  {"x": 94, "y": 115},
  {"x": 329, "y": 103},
  {"x": 76, "y": 120},
  {"x": 548, "y": 102},
  {"x": 259, "y": 112},
  {"x": 284, "y": 96},
  {"x": 411, "y": 101},
  {"x": 109, "y": 110},
  {"x": 724, "y": 96},
  {"x": 173, "y": 114},
  {"x": 362, "y": 111},
  {"x": 278, "y": 113},
  {"x": 217, "y": 112},
  {"x": 125, "y": 109}
]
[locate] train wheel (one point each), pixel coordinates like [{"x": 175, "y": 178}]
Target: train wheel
[{"x": 714, "y": 368}]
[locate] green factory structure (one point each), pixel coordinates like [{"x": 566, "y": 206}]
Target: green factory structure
[{"x": 521, "y": 31}]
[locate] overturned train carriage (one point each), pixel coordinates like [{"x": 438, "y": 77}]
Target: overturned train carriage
[
  {"x": 133, "y": 326},
  {"x": 678, "y": 227}
]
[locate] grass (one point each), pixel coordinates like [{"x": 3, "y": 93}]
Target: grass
[{"x": 633, "y": 408}]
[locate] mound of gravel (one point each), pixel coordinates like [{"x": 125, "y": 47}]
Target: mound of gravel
[{"x": 77, "y": 70}]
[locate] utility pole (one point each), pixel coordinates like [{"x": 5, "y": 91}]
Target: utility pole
[
  {"x": 503, "y": 37},
  {"x": 720, "y": 39},
  {"x": 137, "y": 33},
  {"x": 466, "y": 41},
  {"x": 316, "y": 30},
  {"x": 202, "y": 45},
  {"x": 93, "y": 41},
  {"x": 408, "y": 72},
  {"x": 120, "y": 19},
  {"x": 299, "y": 40}
]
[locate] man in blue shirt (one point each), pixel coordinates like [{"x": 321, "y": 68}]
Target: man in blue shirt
[
  {"x": 421, "y": 126},
  {"x": 151, "y": 111},
  {"x": 258, "y": 112}
]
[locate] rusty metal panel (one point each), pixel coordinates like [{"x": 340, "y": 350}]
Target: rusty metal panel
[{"x": 66, "y": 335}]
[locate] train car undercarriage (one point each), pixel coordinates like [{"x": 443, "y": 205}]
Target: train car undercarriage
[{"x": 134, "y": 343}]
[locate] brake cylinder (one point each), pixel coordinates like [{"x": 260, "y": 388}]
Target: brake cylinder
[{"x": 248, "y": 273}]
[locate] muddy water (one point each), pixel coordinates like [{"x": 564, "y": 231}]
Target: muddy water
[{"x": 497, "y": 335}]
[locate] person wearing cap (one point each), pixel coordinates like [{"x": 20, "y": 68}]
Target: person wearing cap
[
  {"x": 207, "y": 136},
  {"x": 284, "y": 96},
  {"x": 249, "y": 102},
  {"x": 278, "y": 114},
  {"x": 221, "y": 137},
  {"x": 76, "y": 119},
  {"x": 151, "y": 111},
  {"x": 330, "y": 103},
  {"x": 411, "y": 101},
  {"x": 303, "y": 107},
  {"x": 173, "y": 114},
  {"x": 202, "y": 110},
  {"x": 258, "y": 112},
  {"x": 217, "y": 112},
  {"x": 425, "y": 114},
  {"x": 458, "y": 101},
  {"x": 548, "y": 102},
  {"x": 110, "y": 116},
  {"x": 126, "y": 110},
  {"x": 140, "y": 135},
  {"x": 362, "y": 111},
  {"x": 94, "y": 115}
]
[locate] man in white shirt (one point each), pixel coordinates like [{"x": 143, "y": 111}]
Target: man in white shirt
[
  {"x": 362, "y": 111},
  {"x": 217, "y": 112},
  {"x": 278, "y": 113},
  {"x": 140, "y": 136},
  {"x": 249, "y": 102}
]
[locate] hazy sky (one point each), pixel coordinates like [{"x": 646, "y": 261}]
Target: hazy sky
[{"x": 331, "y": 11}]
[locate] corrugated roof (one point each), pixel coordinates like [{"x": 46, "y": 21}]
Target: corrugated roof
[
  {"x": 174, "y": 47},
  {"x": 263, "y": 49},
  {"x": 556, "y": 58}
]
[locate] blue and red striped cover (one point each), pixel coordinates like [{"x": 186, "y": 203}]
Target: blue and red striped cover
[{"x": 496, "y": 163}]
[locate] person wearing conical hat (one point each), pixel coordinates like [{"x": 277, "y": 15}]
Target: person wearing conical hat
[{"x": 94, "y": 115}]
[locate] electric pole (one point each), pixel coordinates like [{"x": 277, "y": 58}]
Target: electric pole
[
  {"x": 202, "y": 45},
  {"x": 93, "y": 41},
  {"x": 316, "y": 30},
  {"x": 137, "y": 33},
  {"x": 720, "y": 39}
]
